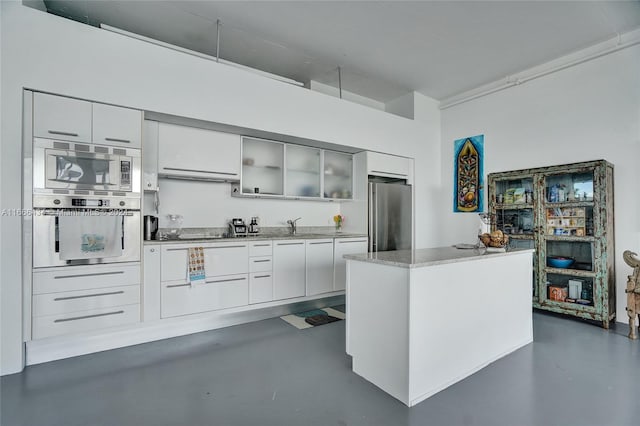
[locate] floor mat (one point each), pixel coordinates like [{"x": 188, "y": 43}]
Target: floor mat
[{"x": 313, "y": 318}]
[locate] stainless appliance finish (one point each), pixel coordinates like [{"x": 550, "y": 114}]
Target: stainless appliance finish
[
  {"x": 150, "y": 227},
  {"x": 48, "y": 209},
  {"x": 390, "y": 215},
  {"x": 61, "y": 167}
]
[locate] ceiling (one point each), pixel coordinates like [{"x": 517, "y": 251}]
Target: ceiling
[{"x": 384, "y": 48}]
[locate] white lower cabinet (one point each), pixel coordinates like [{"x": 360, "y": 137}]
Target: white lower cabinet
[
  {"x": 226, "y": 284},
  {"x": 288, "y": 269},
  {"x": 83, "y": 298},
  {"x": 319, "y": 266},
  {"x": 220, "y": 259},
  {"x": 221, "y": 292},
  {"x": 151, "y": 284},
  {"x": 260, "y": 287},
  {"x": 345, "y": 246},
  {"x": 89, "y": 320}
]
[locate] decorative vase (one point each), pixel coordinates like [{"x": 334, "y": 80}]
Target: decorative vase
[{"x": 338, "y": 227}]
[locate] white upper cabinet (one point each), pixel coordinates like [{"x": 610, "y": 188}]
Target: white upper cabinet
[
  {"x": 57, "y": 117},
  {"x": 150, "y": 156},
  {"x": 338, "y": 175},
  {"x": 387, "y": 165},
  {"x": 114, "y": 125},
  {"x": 192, "y": 153},
  {"x": 262, "y": 167},
  {"x": 303, "y": 171}
]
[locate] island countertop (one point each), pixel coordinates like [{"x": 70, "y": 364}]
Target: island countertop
[{"x": 429, "y": 256}]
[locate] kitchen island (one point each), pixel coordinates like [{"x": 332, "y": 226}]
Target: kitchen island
[{"x": 419, "y": 321}]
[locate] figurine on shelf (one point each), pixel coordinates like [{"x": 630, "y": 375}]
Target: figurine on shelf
[{"x": 633, "y": 291}]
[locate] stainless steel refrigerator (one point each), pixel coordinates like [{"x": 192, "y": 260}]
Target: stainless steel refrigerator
[{"x": 390, "y": 215}]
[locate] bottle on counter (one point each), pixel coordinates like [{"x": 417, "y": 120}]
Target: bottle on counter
[{"x": 253, "y": 226}]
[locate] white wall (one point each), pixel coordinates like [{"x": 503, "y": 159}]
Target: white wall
[
  {"x": 45, "y": 52},
  {"x": 587, "y": 112}
]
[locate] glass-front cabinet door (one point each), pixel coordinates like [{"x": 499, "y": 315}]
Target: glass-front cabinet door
[
  {"x": 338, "y": 175},
  {"x": 303, "y": 171},
  {"x": 262, "y": 167},
  {"x": 512, "y": 210},
  {"x": 568, "y": 242}
]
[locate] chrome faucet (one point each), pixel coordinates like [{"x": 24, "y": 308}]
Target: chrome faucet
[{"x": 292, "y": 224}]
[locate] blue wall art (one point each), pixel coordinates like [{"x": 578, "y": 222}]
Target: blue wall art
[{"x": 468, "y": 170}]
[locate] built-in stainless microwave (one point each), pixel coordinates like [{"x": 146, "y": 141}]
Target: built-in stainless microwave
[{"x": 61, "y": 166}]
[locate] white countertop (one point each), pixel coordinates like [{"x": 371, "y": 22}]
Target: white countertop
[{"x": 430, "y": 256}]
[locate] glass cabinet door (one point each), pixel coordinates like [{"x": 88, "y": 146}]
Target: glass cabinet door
[
  {"x": 303, "y": 171},
  {"x": 262, "y": 167},
  {"x": 568, "y": 250},
  {"x": 513, "y": 214},
  {"x": 338, "y": 175}
]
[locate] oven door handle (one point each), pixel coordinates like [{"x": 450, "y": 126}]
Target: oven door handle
[{"x": 113, "y": 212}]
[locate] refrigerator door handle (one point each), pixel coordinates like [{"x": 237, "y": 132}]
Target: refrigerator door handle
[{"x": 372, "y": 235}]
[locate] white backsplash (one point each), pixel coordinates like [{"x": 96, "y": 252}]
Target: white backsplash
[{"x": 209, "y": 204}]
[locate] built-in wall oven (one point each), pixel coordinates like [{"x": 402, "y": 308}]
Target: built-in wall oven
[
  {"x": 86, "y": 203},
  {"x": 74, "y": 230}
]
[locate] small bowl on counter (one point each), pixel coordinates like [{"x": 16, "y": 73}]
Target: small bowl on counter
[{"x": 560, "y": 261}]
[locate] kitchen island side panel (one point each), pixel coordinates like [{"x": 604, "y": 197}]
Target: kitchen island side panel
[
  {"x": 379, "y": 325},
  {"x": 463, "y": 316}
]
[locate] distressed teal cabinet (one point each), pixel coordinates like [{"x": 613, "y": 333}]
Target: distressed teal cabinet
[{"x": 565, "y": 213}]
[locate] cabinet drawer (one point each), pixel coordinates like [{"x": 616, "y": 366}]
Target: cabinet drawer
[
  {"x": 260, "y": 248},
  {"x": 83, "y": 300},
  {"x": 216, "y": 293},
  {"x": 260, "y": 264},
  {"x": 54, "y": 325},
  {"x": 114, "y": 125},
  {"x": 260, "y": 287},
  {"x": 72, "y": 278},
  {"x": 220, "y": 259},
  {"x": 58, "y": 117}
]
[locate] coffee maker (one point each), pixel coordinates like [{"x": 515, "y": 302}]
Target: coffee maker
[
  {"x": 237, "y": 228},
  {"x": 150, "y": 227}
]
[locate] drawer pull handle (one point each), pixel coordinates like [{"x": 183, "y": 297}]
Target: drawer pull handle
[
  {"x": 262, "y": 276},
  {"x": 290, "y": 244},
  {"x": 262, "y": 245},
  {"x": 117, "y": 140},
  {"x": 179, "y": 285},
  {"x": 322, "y": 242},
  {"x": 199, "y": 171},
  {"x": 111, "y": 293},
  {"x": 89, "y": 316},
  {"x": 263, "y": 260},
  {"x": 389, "y": 173},
  {"x": 358, "y": 241},
  {"x": 57, "y": 132},
  {"x": 225, "y": 281},
  {"x": 60, "y": 277},
  {"x": 207, "y": 248}
]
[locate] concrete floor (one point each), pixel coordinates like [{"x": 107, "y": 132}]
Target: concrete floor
[{"x": 269, "y": 373}]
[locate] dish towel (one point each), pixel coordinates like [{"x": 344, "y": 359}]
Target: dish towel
[
  {"x": 195, "y": 259},
  {"x": 89, "y": 236}
]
